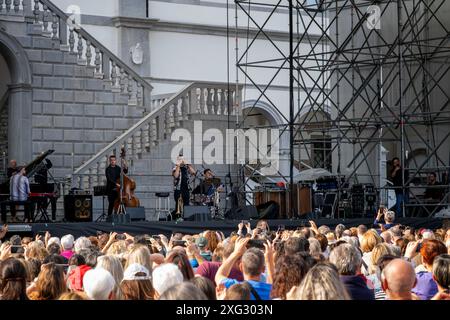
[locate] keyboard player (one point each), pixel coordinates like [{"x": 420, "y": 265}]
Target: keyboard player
[{"x": 19, "y": 192}]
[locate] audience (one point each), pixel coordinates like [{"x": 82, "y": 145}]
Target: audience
[{"x": 389, "y": 261}]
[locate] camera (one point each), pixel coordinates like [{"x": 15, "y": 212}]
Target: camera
[
  {"x": 120, "y": 237},
  {"x": 181, "y": 243}
]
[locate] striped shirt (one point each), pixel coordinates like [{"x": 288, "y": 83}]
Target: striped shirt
[{"x": 19, "y": 188}]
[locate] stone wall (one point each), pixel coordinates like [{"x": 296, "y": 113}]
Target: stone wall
[{"x": 73, "y": 113}]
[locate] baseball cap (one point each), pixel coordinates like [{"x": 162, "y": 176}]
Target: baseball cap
[
  {"x": 201, "y": 242},
  {"x": 131, "y": 273}
]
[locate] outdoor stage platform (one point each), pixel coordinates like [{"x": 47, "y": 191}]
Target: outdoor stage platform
[{"x": 193, "y": 227}]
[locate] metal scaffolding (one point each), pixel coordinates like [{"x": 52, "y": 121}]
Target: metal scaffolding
[{"x": 364, "y": 76}]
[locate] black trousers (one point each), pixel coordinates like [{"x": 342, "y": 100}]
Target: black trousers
[
  {"x": 27, "y": 205},
  {"x": 112, "y": 196}
]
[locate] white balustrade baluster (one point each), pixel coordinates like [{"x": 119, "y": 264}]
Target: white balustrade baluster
[
  {"x": 223, "y": 102},
  {"x": 202, "y": 101},
  {"x": 36, "y": 11},
  {"x": 80, "y": 48},
  {"x": 45, "y": 19},
  {"x": 16, "y": 6},
  {"x": 122, "y": 81},
  {"x": 8, "y": 5},
  {"x": 154, "y": 133},
  {"x": 215, "y": 102},
  {"x": 97, "y": 61},
  {"x": 114, "y": 75},
  {"x": 55, "y": 26},
  {"x": 209, "y": 101},
  {"x": 185, "y": 105},
  {"x": 71, "y": 40},
  {"x": 88, "y": 53}
]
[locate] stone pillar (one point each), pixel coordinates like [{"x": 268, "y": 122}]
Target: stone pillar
[
  {"x": 133, "y": 31},
  {"x": 20, "y": 123}
]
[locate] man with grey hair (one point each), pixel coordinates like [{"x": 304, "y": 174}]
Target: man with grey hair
[
  {"x": 252, "y": 266},
  {"x": 397, "y": 280},
  {"x": 82, "y": 243},
  {"x": 348, "y": 260}
]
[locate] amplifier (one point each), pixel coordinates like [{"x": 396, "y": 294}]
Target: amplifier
[
  {"x": 78, "y": 208},
  {"x": 79, "y": 192}
]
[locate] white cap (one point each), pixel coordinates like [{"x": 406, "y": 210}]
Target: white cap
[
  {"x": 133, "y": 269},
  {"x": 98, "y": 284},
  {"x": 166, "y": 276}
]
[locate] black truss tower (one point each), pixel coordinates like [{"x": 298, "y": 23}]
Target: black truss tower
[{"x": 363, "y": 76}]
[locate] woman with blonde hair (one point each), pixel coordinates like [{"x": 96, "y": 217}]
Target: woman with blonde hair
[
  {"x": 140, "y": 254},
  {"x": 368, "y": 241},
  {"x": 320, "y": 283},
  {"x": 380, "y": 250},
  {"x": 114, "y": 266},
  {"x": 35, "y": 250}
]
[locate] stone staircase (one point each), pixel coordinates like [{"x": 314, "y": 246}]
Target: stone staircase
[{"x": 148, "y": 143}]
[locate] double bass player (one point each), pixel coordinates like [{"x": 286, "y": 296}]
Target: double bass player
[{"x": 112, "y": 173}]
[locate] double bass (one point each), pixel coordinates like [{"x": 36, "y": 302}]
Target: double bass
[{"x": 126, "y": 197}]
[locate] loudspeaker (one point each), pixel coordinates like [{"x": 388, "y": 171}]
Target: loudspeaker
[
  {"x": 269, "y": 210},
  {"x": 136, "y": 214},
  {"x": 119, "y": 218},
  {"x": 196, "y": 213},
  {"x": 78, "y": 208},
  {"x": 244, "y": 213}
]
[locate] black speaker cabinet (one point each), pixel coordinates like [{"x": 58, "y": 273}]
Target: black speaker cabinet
[
  {"x": 196, "y": 213},
  {"x": 136, "y": 214},
  {"x": 78, "y": 208}
]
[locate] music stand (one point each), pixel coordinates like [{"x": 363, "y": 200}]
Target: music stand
[{"x": 101, "y": 191}]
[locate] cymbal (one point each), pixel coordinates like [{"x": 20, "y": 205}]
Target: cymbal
[{"x": 214, "y": 181}]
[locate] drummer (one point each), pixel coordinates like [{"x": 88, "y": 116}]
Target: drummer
[{"x": 210, "y": 184}]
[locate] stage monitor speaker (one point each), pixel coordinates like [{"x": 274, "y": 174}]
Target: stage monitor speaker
[
  {"x": 78, "y": 208},
  {"x": 269, "y": 210},
  {"x": 119, "y": 218},
  {"x": 196, "y": 213},
  {"x": 245, "y": 213},
  {"x": 136, "y": 214}
]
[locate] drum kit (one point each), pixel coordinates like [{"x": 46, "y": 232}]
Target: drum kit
[{"x": 213, "y": 201}]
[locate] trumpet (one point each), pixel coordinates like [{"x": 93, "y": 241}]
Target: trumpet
[{"x": 180, "y": 206}]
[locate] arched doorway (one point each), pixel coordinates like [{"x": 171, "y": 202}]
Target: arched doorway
[{"x": 16, "y": 92}]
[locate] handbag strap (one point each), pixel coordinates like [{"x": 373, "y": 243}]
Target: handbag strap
[{"x": 253, "y": 291}]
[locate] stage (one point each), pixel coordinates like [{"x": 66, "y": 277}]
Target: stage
[{"x": 193, "y": 227}]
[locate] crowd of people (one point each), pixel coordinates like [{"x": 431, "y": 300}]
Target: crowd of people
[{"x": 384, "y": 261}]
